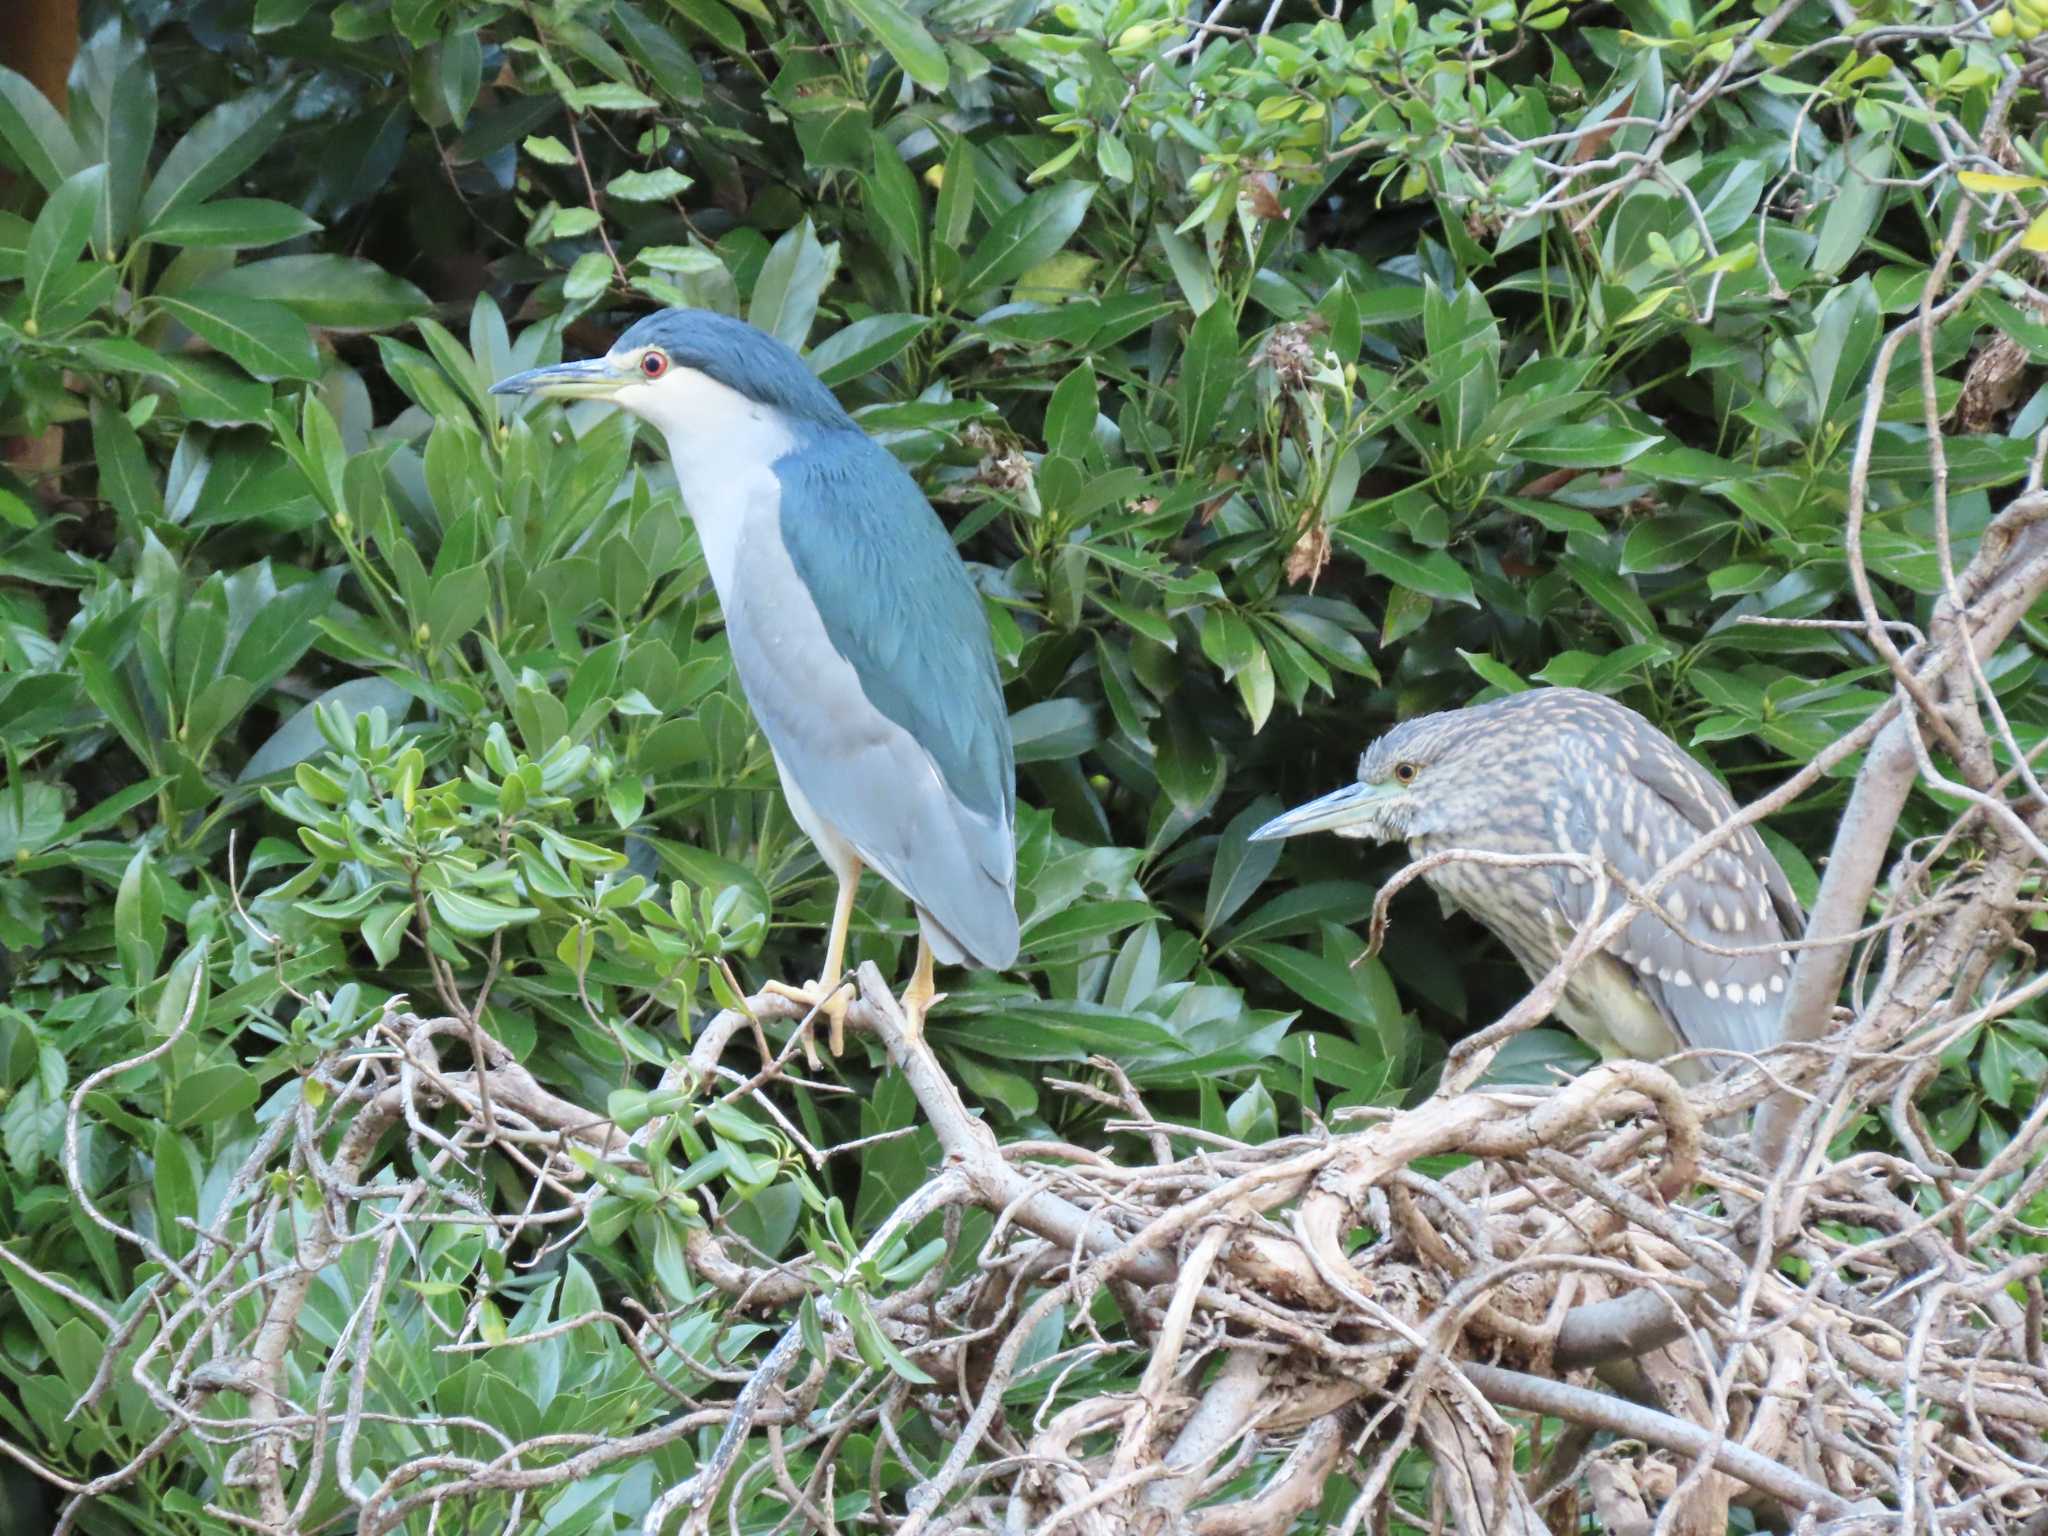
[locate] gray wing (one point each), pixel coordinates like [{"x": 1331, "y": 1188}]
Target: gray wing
[
  {"x": 862, "y": 772},
  {"x": 1735, "y": 897}
]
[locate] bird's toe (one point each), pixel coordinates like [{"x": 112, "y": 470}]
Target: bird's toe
[
  {"x": 916, "y": 1002},
  {"x": 832, "y": 1006}
]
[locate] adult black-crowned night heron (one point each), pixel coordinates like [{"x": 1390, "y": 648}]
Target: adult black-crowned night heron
[
  {"x": 859, "y": 639},
  {"x": 1560, "y": 770}
]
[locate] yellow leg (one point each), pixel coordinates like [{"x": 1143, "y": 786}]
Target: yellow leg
[
  {"x": 834, "y": 1004},
  {"x": 921, "y": 993}
]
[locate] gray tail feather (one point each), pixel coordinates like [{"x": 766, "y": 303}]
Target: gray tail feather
[{"x": 989, "y": 943}]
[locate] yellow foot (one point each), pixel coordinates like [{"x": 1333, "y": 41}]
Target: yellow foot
[
  {"x": 916, "y": 1002},
  {"x": 919, "y": 996},
  {"x": 813, "y": 996}
]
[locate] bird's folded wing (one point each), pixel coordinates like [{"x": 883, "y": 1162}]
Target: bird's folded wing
[
  {"x": 1705, "y": 805},
  {"x": 1728, "y": 1001},
  {"x": 880, "y": 790},
  {"x": 866, "y": 657}
]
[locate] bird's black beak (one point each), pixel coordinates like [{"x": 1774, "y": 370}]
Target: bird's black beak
[
  {"x": 1339, "y": 809},
  {"x": 591, "y": 378}
]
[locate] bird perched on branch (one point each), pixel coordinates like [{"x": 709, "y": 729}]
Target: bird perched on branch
[
  {"x": 1564, "y": 771},
  {"x": 857, "y": 634}
]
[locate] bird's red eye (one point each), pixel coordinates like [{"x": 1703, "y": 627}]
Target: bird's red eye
[
  {"x": 653, "y": 364},
  {"x": 1405, "y": 772}
]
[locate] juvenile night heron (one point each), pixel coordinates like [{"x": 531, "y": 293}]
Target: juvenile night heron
[
  {"x": 858, "y": 637},
  {"x": 1560, "y": 770}
]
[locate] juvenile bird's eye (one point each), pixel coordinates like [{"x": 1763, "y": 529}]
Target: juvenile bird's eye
[
  {"x": 1405, "y": 772},
  {"x": 653, "y": 363}
]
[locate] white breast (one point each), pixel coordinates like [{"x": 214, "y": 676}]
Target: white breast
[{"x": 724, "y": 447}]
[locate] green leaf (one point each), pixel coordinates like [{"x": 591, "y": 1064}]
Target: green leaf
[
  {"x": 108, "y": 688},
  {"x": 715, "y": 20},
  {"x": 1321, "y": 982},
  {"x": 1192, "y": 269},
  {"x": 1430, "y": 572},
  {"x": 1025, "y": 234},
  {"x": 1048, "y": 1029},
  {"x": 1252, "y": 1116},
  {"x": 276, "y": 15},
  {"x": 793, "y": 278},
  {"x": 1065, "y": 935},
  {"x": 31, "y": 818},
  {"x": 74, "y": 294},
  {"x": 1853, "y": 210},
  {"x": 60, "y": 234},
  {"x": 862, "y": 347},
  {"x": 1389, "y": 306},
  {"x": 1240, "y": 866},
  {"x": 126, "y": 478},
  {"x": 183, "y": 1001},
  {"x": 124, "y": 141},
  {"x": 906, "y": 40},
  {"x": 210, "y": 392},
  {"x": 13, "y": 246},
  {"x": 220, "y": 146},
  {"x": 1061, "y": 276},
  {"x": 1988, "y": 181},
  {"x": 1071, "y": 414},
  {"x": 279, "y": 631},
  {"x": 231, "y": 224},
  {"x": 176, "y": 1179},
  {"x": 647, "y": 186},
  {"x": 459, "y": 601},
  {"x": 109, "y": 810},
  {"x": 1191, "y": 769},
  {"x": 335, "y": 293},
  {"x": 1113, "y": 158},
  {"x": 417, "y": 20},
  {"x": 461, "y": 72},
  {"x": 660, "y": 54},
  {"x": 1053, "y": 730},
  {"x": 1672, "y": 542},
  {"x": 476, "y": 918},
  {"x": 1585, "y": 446},
  {"x": 384, "y": 929},
  {"x": 36, "y": 132},
  {"x": 1997, "y": 1065},
  {"x": 1501, "y": 675},
  {"x": 955, "y": 211},
  {"x": 1208, "y": 369},
  {"x": 874, "y": 1345},
  {"x": 609, "y": 96},
  {"x": 299, "y": 737},
  {"x": 896, "y": 203},
  {"x": 213, "y": 1095},
  {"x": 571, "y": 223},
  {"x": 589, "y": 277},
  {"x": 686, "y": 259},
  {"x": 1613, "y": 593},
  {"x": 139, "y": 920},
  {"x": 267, "y": 339}
]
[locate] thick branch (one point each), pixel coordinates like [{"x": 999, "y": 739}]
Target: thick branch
[{"x": 1534, "y": 1394}]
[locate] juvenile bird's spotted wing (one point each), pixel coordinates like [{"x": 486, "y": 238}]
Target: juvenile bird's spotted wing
[
  {"x": 1649, "y": 805},
  {"x": 917, "y": 770}
]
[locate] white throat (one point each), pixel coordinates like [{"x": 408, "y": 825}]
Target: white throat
[{"x": 724, "y": 447}]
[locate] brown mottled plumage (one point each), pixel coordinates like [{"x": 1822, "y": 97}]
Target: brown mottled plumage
[{"x": 1561, "y": 770}]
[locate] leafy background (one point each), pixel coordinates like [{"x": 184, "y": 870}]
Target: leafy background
[{"x": 1269, "y": 386}]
